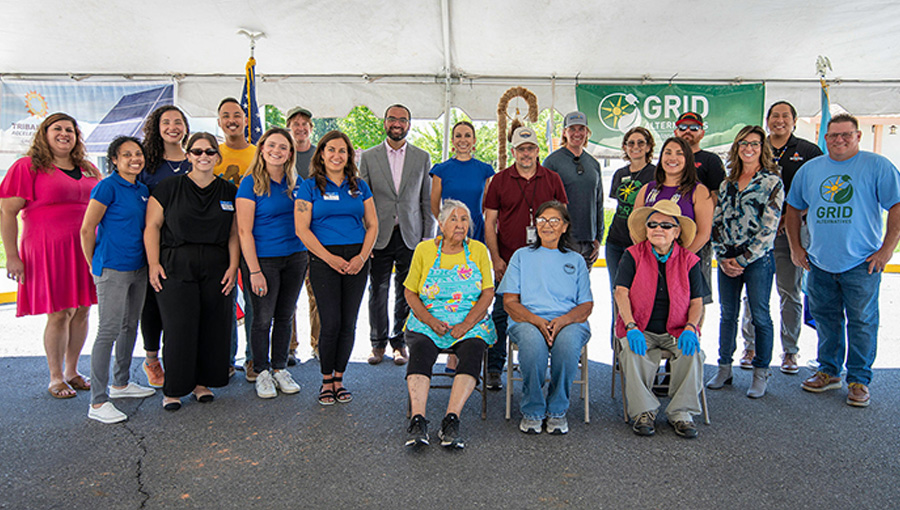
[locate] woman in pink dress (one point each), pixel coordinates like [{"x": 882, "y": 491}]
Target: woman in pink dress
[{"x": 51, "y": 187}]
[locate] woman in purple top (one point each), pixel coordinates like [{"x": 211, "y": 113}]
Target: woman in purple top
[{"x": 676, "y": 179}]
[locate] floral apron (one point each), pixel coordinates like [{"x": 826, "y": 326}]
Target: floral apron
[{"x": 449, "y": 295}]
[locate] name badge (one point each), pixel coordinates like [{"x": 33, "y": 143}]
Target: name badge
[
  {"x": 226, "y": 205},
  {"x": 530, "y": 234},
  {"x": 330, "y": 196}
]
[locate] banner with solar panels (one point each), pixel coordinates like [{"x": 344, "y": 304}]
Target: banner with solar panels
[
  {"x": 612, "y": 110},
  {"x": 103, "y": 110}
]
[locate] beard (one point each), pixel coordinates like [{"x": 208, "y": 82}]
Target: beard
[{"x": 397, "y": 134}]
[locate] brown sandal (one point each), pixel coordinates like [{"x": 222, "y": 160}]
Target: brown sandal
[
  {"x": 61, "y": 390},
  {"x": 79, "y": 383}
]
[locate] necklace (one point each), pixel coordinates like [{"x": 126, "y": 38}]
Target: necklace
[{"x": 174, "y": 168}]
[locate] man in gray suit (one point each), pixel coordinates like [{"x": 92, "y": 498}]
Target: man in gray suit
[{"x": 397, "y": 173}]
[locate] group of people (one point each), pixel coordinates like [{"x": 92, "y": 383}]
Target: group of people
[{"x": 182, "y": 220}]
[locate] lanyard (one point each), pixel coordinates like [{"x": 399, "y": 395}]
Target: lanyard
[{"x": 524, "y": 199}]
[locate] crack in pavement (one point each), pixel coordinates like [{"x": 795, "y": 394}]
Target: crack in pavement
[{"x": 139, "y": 469}]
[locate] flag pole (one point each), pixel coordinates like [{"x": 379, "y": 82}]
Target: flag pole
[
  {"x": 823, "y": 65},
  {"x": 248, "y": 95}
]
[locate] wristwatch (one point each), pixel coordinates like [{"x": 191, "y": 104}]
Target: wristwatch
[{"x": 630, "y": 326}]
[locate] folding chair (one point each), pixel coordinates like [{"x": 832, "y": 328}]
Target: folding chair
[
  {"x": 479, "y": 384},
  {"x": 660, "y": 382},
  {"x": 512, "y": 366}
]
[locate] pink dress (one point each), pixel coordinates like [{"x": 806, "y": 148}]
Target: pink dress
[{"x": 56, "y": 274}]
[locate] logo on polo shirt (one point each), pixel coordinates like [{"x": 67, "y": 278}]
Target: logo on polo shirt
[
  {"x": 569, "y": 269},
  {"x": 837, "y": 190}
]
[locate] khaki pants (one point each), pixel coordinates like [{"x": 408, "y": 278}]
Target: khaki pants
[
  {"x": 314, "y": 324},
  {"x": 639, "y": 372}
]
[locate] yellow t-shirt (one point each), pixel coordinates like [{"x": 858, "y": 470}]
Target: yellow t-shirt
[
  {"x": 426, "y": 253},
  {"x": 235, "y": 163}
]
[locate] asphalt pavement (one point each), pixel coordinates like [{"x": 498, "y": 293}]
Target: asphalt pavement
[{"x": 788, "y": 449}]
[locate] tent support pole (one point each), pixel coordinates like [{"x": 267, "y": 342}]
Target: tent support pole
[{"x": 445, "y": 30}]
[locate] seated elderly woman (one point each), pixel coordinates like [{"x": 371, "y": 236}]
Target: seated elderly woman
[
  {"x": 449, "y": 290},
  {"x": 659, "y": 291},
  {"x": 547, "y": 293}
]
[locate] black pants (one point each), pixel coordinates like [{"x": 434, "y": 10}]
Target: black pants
[
  {"x": 151, "y": 322},
  {"x": 195, "y": 316},
  {"x": 394, "y": 255},
  {"x": 497, "y": 352},
  {"x": 423, "y": 353},
  {"x": 338, "y": 297},
  {"x": 275, "y": 310}
]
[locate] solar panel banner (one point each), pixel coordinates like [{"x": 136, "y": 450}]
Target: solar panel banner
[
  {"x": 612, "y": 110},
  {"x": 103, "y": 110}
]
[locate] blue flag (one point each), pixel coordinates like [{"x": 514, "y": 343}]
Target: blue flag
[
  {"x": 826, "y": 118},
  {"x": 249, "y": 104}
]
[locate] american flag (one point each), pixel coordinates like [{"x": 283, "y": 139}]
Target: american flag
[{"x": 249, "y": 104}]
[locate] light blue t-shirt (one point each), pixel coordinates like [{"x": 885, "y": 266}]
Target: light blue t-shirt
[
  {"x": 550, "y": 283},
  {"x": 464, "y": 181},
  {"x": 120, "y": 234},
  {"x": 273, "y": 221},
  {"x": 845, "y": 199},
  {"x": 338, "y": 214}
]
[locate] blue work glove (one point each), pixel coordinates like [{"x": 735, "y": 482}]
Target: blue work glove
[
  {"x": 688, "y": 343},
  {"x": 637, "y": 342}
]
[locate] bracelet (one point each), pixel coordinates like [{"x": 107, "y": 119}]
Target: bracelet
[
  {"x": 361, "y": 258},
  {"x": 255, "y": 272},
  {"x": 692, "y": 325}
]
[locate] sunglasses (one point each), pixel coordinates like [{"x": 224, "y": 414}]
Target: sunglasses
[
  {"x": 578, "y": 166},
  {"x": 665, "y": 225},
  {"x": 692, "y": 127},
  {"x": 632, "y": 143},
  {"x": 200, "y": 152}
]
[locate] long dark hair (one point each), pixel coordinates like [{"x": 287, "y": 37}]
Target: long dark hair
[
  {"x": 112, "y": 152},
  {"x": 564, "y": 239},
  {"x": 41, "y": 155},
  {"x": 688, "y": 175},
  {"x": 154, "y": 147},
  {"x": 317, "y": 165}
]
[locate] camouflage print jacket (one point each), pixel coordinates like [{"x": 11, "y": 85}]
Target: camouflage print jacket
[{"x": 745, "y": 222}]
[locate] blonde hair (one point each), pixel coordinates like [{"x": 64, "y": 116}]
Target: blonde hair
[{"x": 258, "y": 166}]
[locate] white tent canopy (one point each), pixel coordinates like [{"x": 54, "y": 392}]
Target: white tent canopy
[{"x": 331, "y": 55}]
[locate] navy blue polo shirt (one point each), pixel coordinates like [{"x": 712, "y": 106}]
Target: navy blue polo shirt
[
  {"x": 273, "y": 222},
  {"x": 120, "y": 234},
  {"x": 337, "y": 214}
]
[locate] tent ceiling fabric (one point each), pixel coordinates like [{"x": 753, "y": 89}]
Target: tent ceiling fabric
[{"x": 332, "y": 55}]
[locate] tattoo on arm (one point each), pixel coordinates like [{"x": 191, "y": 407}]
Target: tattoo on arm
[{"x": 302, "y": 206}]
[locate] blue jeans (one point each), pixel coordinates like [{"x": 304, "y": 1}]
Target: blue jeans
[
  {"x": 854, "y": 293},
  {"x": 757, "y": 277},
  {"x": 533, "y": 354}
]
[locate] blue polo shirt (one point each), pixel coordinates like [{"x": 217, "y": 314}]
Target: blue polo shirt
[
  {"x": 464, "y": 181},
  {"x": 337, "y": 214},
  {"x": 120, "y": 234},
  {"x": 273, "y": 223}
]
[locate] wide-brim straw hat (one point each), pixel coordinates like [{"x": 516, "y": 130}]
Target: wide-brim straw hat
[{"x": 637, "y": 222}]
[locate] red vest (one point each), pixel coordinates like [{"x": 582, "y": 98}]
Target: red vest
[{"x": 643, "y": 289}]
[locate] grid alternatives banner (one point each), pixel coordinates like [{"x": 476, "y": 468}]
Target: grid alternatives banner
[{"x": 612, "y": 110}]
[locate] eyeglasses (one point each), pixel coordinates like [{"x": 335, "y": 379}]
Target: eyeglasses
[
  {"x": 846, "y": 136},
  {"x": 553, "y": 222},
  {"x": 745, "y": 143},
  {"x": 200, "y": 152},
  {"x": 397, "y": 120},
  {"x": 632, "y": 143},
  {"x": 578, "y": 166},
  {"x": 692, "y": 127},
  {"x": 665, "y": 225}
]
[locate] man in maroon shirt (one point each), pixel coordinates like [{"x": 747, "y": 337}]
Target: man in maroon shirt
[{"x": 509, "y": 205}]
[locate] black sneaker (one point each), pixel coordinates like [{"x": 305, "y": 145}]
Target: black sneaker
[
  {"x": 417, "y": 432},
  {"x": 493, "y": 382},
  {"x": 449, "y": 432},
  {"x": 643, "y": 424}
]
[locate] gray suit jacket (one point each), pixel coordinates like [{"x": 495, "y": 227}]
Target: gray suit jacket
[{"x": 412, "y": 205}]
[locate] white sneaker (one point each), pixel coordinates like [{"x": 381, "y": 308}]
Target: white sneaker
[
  {"x": 106, "y": 413},
  {"x": 285, "y": 383},
  {"x": 265, "y": 385},
  {"x": 131, "y": 391}
]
